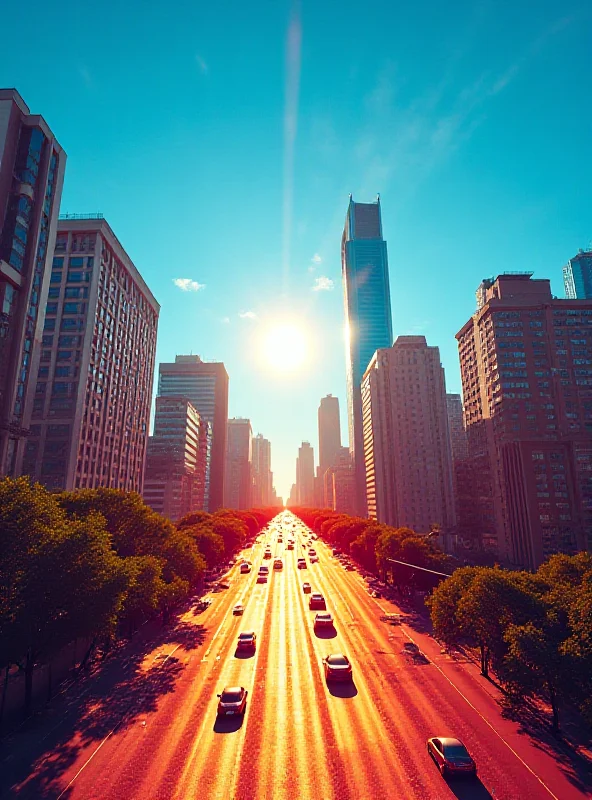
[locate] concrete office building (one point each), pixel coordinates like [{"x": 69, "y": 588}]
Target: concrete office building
[
  {"x": 32, "y": 165},
  {"x": 305, "y": 475},
  {"x": 205, "y": 385},
  {"x": 456, "y": 426},
  {"x": 341, "y": 461},
  {"x": 176, "y": 461},
  {"x": 577, "y": 276},
  {"x": 91, "y": 408},
  {"x": 262, "y": 475},
  {"x": 343, "y": 490},
  {"x": 329, "y": 432},
  {"x": 239, "y": 464},
  {"x": 526, "y": 368},
  {"x": 406, "y": 437},
  {"x": 367, "y": 316}
]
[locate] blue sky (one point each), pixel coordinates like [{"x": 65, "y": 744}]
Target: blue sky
[{"x": 221, "y": 141}]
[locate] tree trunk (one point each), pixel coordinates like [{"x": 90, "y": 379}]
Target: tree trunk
[
  {"x": 28, "y": 682},
  {"x": 554, "y": 709},
  {"x": 88, "y": 653},
  {"x": 484, "y": 661}
]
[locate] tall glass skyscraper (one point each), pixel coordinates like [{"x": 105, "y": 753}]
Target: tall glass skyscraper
[
  {"x": 577, "y": 276},
  {"x": 368, "y": 322}
]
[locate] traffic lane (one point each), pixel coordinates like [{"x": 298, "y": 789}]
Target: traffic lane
[
  {"x": 290, "y": 750},
  {"x": 116, "y": 718},
  {"x": 481, "y": 709}
]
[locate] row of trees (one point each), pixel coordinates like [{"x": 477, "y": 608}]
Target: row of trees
[
  {"x": 94, "y": 563},
  {"x": 375, "y": 545},
  {"x": 534, "y": 630}
]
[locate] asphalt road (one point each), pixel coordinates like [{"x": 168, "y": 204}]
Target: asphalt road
[{"x": 146, "y": 727}]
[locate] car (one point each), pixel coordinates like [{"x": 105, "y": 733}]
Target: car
[
  {"x": 301, "y": 563},
  {"x": 233, "y": 701},
  {"x": 247, "y": 640},
  {"x": 306, "y": 587},
  {"x": 290, "y": 545},
  {"x": 451, "y": 756},
  {"x": 323, "y": 620},
  {"x": 312, "y": 552},
  {"x": 244, "y": 567},
  {"x": 238, "y": 609},
  {"x": 278, "y": 564},
  {"x": 261, "y": 578},
  {"x": 267, "y": 554},
  {"x": 314, "y": 559},
  {"x": 411, "y": 648},
  {"x": 375, "y": 593},
  {"x": 317, "y": 601},
  {"x": 349, "y": 567},
  {"x": 337, "y": 667},
  {"x": 280, "y": 540}
]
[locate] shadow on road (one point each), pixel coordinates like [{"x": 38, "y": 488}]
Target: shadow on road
[
  {"x": 244, "y": 654},
  {"x": 228, "y": 724},
  {"x": 325, "y": 633},
  {"x": 119, "y": 696},
  {"x": 342, "y": 689},
  {"x": 468, "y": 789}
]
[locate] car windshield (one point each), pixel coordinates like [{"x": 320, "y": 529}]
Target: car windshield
[
  {"x": 337, "y": 661},
  {"x": 455, "y": 751},
  {"x": 231, "y": 697},
  {"x": 246, "y": 636}
]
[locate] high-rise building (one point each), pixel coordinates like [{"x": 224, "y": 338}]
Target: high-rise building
[
  {"x": 329, "y": 432},
  {"x": 406, "y": 437},
  {"x": 262, "y": 475},
  {"x": 577, "y": 276},
  {"x": 205, "y": 385},
  {"x": 91, "y": 408},
  {"x": 176, "y": 459},
  {"x": 456, "y": 425},
  {"x": 32, "y": 165},
  {"x": 341, "y": 461},
  {"x": 526, "y": 367},
  {"x": 305, "y": 474},
  {"x": 368, "y": 320},
  {"x": 239, "y": 464},
  {"x": 343, "y": 490}
]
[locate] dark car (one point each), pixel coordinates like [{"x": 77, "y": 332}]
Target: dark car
[
  {"x": 233, "y": 701},
  {"x": 306, "y": 587},
  {"x": 451, "y": 756},
  {"x": 337, "y": 667},
  {"x": 317, "y": 601},
  {"x": 301, "y": 563},
  {"x": 247, "y": 641},
  {"x": 323, "y": 620}
]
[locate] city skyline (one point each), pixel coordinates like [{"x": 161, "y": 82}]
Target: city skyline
[{"x": 460, "y": 145}]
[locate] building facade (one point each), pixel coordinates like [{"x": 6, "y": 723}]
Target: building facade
[
  {"x": 368, "y": 323},
  {"x": 577, "y": 276},
  {"x": 91, "y": 408},
  {"x": 329, "y": 432},
  {"x": 305, "y": 475},
  {"x": 262, "y": 475},
  {"x": 205, "y": 385},
  {"x": 341, "y": 461},
  {"x": 406, "y": 437},
  {"x": 174, "y": 482},
  {"x": 32, "y": 165},
  {"x": 526, "y": 368},
  {"x": 239, "y": 464}
]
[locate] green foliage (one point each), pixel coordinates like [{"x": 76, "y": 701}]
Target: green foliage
[
  {"x": 209, "y": 544},
  {"x": 192, "y": 519}
]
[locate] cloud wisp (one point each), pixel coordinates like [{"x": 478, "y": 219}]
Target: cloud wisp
[
  {"x": 188, "y": 285},
  {"x": 323, "y": 284},
  {"x": 248, "y": 315}
]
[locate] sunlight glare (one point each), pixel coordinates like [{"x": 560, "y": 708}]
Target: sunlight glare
[{"x": 285, "y": 347}]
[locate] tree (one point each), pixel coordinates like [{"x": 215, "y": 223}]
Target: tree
[
  {"x": 145, "y": 590},
  {"x": 192, "y": 519},
  {"x": 363, "y": 549},
  {"x": 232, "y": 531},
  {"x": 209, "y": 544},
  {"x": 444, "y": 603}
]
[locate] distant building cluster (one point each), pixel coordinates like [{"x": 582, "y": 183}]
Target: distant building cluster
[{"x": 78, "y": 329}]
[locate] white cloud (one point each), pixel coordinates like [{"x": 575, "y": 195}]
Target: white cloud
[
  {"x": 247, "y": 315},
  {"x": 316, "y": 258},
  {"x": 203, "y": 67},
  {"x": 323, "y": 284},
  {"x": 225, "y": 320},
  {"x": 188, "y": 285}
]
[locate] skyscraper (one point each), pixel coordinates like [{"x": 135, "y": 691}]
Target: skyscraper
[
  {"x": 262, "y": 475},
  {"x": 239, "y": 463},
  {"x": 406, "y": 437},
  {"x": 368, "y": 320},
  {"x": 32, "y": 165},
  {"x": 458, "y": 436},
  {"x": 329, "y": 432},
  {"x": 526, "y": 368},
  {"x": 91, "y": 408},
  {"x": 577, "y": 276},
  {"x": 175, "y": 460},
  {"x": 305, "y": 474},
  {"x": 205, "y": 384}
]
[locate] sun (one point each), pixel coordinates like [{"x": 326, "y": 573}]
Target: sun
[{"x": 285, "y": 347}]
